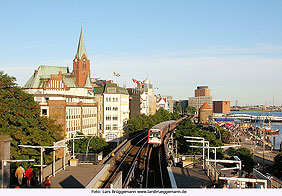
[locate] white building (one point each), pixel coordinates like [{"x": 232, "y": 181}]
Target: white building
[
  {"x": 148, "y": 100},
  {"x": 115, "y": 110}
]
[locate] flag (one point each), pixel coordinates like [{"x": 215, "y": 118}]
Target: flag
[
  {"x": 116, "y": 74},
  {"x": 93, "y": 89},
  {"x": 134, "y": 81}
]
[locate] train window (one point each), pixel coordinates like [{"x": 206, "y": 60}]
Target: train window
[{"x": 155, "y": 134}]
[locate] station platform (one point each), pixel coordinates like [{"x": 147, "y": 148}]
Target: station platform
[
  {"x": 80, "y": 176},
  {"x": 190, "y": 177}
]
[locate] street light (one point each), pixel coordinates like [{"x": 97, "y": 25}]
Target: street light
[{"x": 88, "y": 145}]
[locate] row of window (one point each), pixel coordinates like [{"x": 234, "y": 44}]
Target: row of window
[
  {"x": 112, "y": 127},
  {"x": 109, "y": 99},
  {"x": 108, "y": 108},
  {"x": 108, "y": 118},
  {"x": 76, "y": 100}
]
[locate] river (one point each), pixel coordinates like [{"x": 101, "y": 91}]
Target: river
[{"x": 274, "y": 126}]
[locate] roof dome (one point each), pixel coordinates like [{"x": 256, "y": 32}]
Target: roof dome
[{"x": 205, "y": 106}]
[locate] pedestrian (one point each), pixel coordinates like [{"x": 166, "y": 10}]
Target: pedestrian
[
  {"x": 203, "y": 186},
  {"x": 19, "y": 175},
  {"x": 47, "y": 182},
  {"x": 258, "y": 166},
  {"x": 28, "y": 175}
]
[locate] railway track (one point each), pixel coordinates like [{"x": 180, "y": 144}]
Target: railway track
[
  {"x": 155, "y": 171},
  {"x": 128, "y": 161}
]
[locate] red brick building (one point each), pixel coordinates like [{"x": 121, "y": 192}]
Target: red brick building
[
  {"x": 221, "y": 107},
  {"x": 202, "y": 91},
  {"x": 205, "y": 113}
]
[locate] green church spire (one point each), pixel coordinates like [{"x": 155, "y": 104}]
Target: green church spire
[{"x": 81, "y": 46}]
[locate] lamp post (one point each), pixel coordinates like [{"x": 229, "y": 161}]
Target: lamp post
[{"x": 88, "y": 145}]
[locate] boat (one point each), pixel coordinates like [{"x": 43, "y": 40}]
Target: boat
[{"x": 274, "y": 132}]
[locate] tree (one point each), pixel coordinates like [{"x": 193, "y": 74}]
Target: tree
[
  {"x": 144, "y": 122},
  {"x": 96, "y": 144},
  {"x": 276, "y": 169},
  {"x": 190, "y": 110},
  {"x": 20, "y": 119},
  {"x": 178, "y": 109},
  {"x": 246, "y": 157},
  {"x": 187, "y": 128}
]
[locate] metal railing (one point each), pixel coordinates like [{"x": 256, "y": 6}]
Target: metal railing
[
  {"x": 87, "y": 158},
  {"x": 211, "y": 170}
]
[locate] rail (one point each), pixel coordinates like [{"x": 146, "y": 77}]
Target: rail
[
  {"x": 211, "y": 170},
  {"x": 116, "y": 170},
  {"x": 132, "y": 168}
]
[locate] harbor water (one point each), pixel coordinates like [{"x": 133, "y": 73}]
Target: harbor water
[{"x": 274, "y": 125}]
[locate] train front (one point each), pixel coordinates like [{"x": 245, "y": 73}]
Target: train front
[{"x": 154, "y": 136}]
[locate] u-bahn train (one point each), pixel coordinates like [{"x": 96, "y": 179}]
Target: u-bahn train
[{"x": 157, "y": 132}]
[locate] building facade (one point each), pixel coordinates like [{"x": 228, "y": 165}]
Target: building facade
[
  {"x": 202, "y": 91},
  {"x": 115, "y": 110},
  {"x": 67, "y": 96},
  {"x": 202, "y": 95},
  {"x": 165, "y": 102},
  {"x": 221, "y": 107},
  {"x": 134, "y": 102},
  {"x": 148, "y": 99},
  {"x": 205, "y": 113}
]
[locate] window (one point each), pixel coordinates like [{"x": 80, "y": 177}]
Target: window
[
  {"x": 115, "y": 108},
  {"x": 108, "y": 108},
  {"x": 44, "y": 112},
  {"x": 115, "y": 127},
  {"x": 115, "y": 117},
  {"x": 108, "y": 127},
  {"x": 108, "y": 117},
  {"x": 111, "y": 90}
]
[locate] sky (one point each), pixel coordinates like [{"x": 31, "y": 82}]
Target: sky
[{"x": 234, "y": 47}]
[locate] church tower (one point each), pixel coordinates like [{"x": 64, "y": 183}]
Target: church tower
[{"x": 81, "y": 64}]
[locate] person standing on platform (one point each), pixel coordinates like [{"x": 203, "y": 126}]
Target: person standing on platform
[
  {"x": 19, "y": 175},
  {"x": 47, "y": 182},
  {"x": 28, "y": 175}
]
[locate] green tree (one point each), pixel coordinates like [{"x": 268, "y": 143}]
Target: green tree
[
  {"x": 144, "y": 122},
  {"x": 20, "y": 119},
  {"x": 190, "y": 110},
  {"x": 187, "y": 128},
  {"x": 96, "y": 144},
  {"x": 178, "y": 109},
  {"x": 246, "y": 157},
  {"x": 276, "y": 169}
]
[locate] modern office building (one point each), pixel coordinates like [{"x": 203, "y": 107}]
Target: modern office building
[
  {"x": 221, "y": 107},
  {"x": 202, "y": 95},
  {"x": 202, "y": 91}
]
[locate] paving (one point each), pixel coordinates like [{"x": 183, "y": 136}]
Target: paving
[
  {"x": 75, "y": 176},
  {"x": 190, "y": 177},
  {"x": 258, "y": 150}
]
